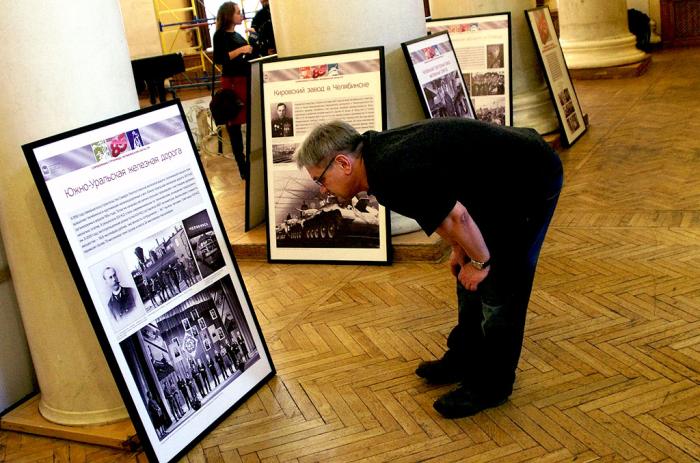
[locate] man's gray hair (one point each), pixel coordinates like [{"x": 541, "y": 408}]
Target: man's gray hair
[{"x": 327, "y": 140}]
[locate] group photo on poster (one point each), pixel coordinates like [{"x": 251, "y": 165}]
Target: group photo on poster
[
  {"x": 298, "y": 94},
  {"x": 182, "y": 359},
  {"x": 482, "y": 46},
  {"x": 437, "y": 77},
  {"x": 162, "y": 265},
  {"x": 151, "y": 261}
]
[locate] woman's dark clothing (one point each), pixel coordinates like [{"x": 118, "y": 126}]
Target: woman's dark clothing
[
  {"x": 225, "y": 42},
  {"x": 234, "y": 75}
]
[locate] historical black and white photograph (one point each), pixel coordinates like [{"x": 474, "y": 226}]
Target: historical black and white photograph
[
  {"x": 573, "y": 122},
  {"x": 494, "y": 56},
  {"x": 564, "y": 96},
  {"x": 162, "y": 266},
  {"x": 283, "y": 153},
  {"x": 177, "y": 371},
  {"x": 306, "y": 218},
  {"x": 118, "y": 294},
  {"x": 569, "y": 109},
  {"x": 492, "y": 110},
  {"x": 282, "y": 119},
  {"x": 486, "y": 83},
  {"x": 206, "y": 248},
  {"x": 446, "y": 97}
]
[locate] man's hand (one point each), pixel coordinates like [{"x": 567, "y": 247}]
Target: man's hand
[
  {"x": 457, "y": 259},
  {"x": 469, "y": 277}
]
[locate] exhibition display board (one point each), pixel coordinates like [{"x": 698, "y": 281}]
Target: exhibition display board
[
  {"x": 483, "y": 47},
  {"x": 437, "y": 77},
  {"x": 553, "y": 62},
  {"x": 255, "y": 159},
  {"x": 142, "y": 236},
  {"x": 304, "y": 225}
]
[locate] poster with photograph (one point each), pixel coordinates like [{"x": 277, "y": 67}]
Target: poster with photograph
[
  {"x": 438, "y": 79},
  {"x": 141, "y": 234},
  {"x": 556, "y": 71},
  {"x": 483, "y": 48},
  {"x": 299, "y": 93}
]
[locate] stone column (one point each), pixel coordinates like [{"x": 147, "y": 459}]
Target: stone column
[
  {"x": 315, "y": 26},
  {"x": 16, "y": 371},
  {"x": 595, "y": 34},
  {"x": 532, "y": 104},
  {"x": 68, "y": 66}
]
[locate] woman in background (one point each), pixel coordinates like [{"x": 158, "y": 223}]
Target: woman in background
[{"x": 232, "y": 51}]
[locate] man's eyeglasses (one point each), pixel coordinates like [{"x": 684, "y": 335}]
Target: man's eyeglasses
[{"x": 319, "y": 179}]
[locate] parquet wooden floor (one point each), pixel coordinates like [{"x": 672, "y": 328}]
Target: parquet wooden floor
[{"x": 611, "y": 361}]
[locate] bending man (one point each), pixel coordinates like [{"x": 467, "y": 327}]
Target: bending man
[{"x": 489, "y": 191}]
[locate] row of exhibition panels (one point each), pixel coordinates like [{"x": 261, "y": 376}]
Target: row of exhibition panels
[
  {"x": 128, "y": 198},
  {"x": 462, "y": 68}
]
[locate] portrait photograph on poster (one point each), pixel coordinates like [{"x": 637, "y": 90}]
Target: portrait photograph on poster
[
  {"x": 143, "y": 239},
  {"x": 120, "y": 298},
  {"x": 298, "y": 93},
  {"x": 561, "y": 87},
  {"x": 437, "y": 77},
  {"x": 482, "y": 45}
]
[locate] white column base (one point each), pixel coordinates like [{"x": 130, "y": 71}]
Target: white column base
[
  {"x": 82, "y": 418},
  {"x": 616, "y": 51},
  {"x": 534, "y": 109}
]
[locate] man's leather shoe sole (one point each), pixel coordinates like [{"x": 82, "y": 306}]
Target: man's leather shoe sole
[
  {"x": 438, "y": 372},
  {"x": 463, "y": 402}
]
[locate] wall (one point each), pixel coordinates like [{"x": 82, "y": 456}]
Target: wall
[
  {"x": 141, "y": 27},
  {"x": 16, "y": 370}
]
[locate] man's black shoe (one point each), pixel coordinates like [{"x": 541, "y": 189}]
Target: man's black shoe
[
  {"x": 438, "y": 372},
  {"x": 463, "y": 402}
]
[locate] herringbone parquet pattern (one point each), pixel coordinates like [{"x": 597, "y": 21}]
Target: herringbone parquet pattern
[{"x": 611, "y": 360}]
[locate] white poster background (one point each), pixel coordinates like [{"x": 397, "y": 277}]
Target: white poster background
[
  {"x": 489, "y": 79},
  {"x": 81, "y": 192},
  {"x": 554, "y": 64},
  {"x": 311, "y": 98}
]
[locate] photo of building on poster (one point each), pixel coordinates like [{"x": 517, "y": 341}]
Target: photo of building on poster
[
  {"x": 204, "y": 244},
  {"x": 184, "y": 358},
  {"x": 482, "y": 46},
  {"x": 437, "y": 77},
  {"x": 300, "y": 93}
]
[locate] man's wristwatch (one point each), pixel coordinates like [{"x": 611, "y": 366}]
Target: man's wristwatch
[{"x": 479, "y": 265}]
